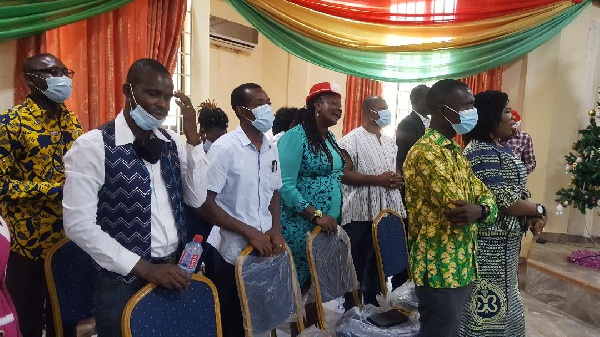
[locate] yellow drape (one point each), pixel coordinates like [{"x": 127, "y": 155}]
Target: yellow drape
[{"x": 402, "y": 37}]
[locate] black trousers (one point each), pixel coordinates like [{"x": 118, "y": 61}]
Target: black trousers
[
  {"x": 365, "y": 263},
  {"x": 440, "y": 310},
  {"x": 26, "y": 283},
  {"x": 222, "y": 274}
]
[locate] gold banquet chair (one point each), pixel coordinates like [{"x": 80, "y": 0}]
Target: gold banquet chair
[
  {"x": 331, "y": 268},
  {"x": 157, "y": 311},
  {"x": 268, "y": 291},
  {"x": 390, "y": 245}
]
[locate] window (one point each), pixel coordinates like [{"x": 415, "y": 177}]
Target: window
[
  {"x": 397, "y": 96},
  {"x": 182, "y": 73}
]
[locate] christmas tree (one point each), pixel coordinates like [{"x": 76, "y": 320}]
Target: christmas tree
[{"x": 583, "y": 192}]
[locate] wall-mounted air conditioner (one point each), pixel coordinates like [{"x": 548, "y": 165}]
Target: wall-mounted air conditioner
[{"x": 232, "y": 35}]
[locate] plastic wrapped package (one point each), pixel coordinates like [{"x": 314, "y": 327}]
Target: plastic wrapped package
[
  {"x": 333, "y": 264},
  {"x": 354, "y": 324},
  {"x": 268, "y": 291},
  {"x": 313, "y": 331},
  {"x": 403, "y": 297}
]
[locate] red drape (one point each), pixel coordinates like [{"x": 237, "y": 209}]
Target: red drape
[
  {"x": 424, "y": 12},
  {"x": 357, "y": 89},
  {"x": 101, "y": 49}
]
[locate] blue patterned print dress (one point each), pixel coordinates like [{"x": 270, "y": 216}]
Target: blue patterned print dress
[
  {"x": 308, "y": 179},
  {"x": 495, "y": 307}
]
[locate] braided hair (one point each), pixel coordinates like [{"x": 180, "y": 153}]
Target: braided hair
[
  {"x": 307, "y": 118},
  {"x": 210, "y": 116},
  {"x": 490, "y": 104}
]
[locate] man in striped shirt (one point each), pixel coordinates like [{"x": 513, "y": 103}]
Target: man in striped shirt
[{"x": 371, "y": 184}]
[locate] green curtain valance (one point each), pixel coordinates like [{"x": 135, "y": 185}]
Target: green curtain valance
[{"x": 24, "y": 18}]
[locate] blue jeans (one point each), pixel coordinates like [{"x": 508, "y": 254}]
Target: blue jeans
[{"x": 109, "y": 302}]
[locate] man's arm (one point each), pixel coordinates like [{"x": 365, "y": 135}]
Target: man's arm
[
  {"x": 528, "y": 156},
  {"x": 15, "y": 189},
  {"x": 353, "y": 178},
  {"x": 217, "y": 216},
  {"x": 278, "y": 243},
  {"x": 192, "y": 158}
]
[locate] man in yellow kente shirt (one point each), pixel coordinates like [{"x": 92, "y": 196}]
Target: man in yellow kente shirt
[
  {"x": 34, "y": 136},
  {"x": 446, "y": 203}
]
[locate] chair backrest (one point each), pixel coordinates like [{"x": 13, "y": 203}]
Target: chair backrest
[
  {"x": 331, "y": 268},
  {"x": 389, "y": 242},
  {"x": 268, "y": 290},
  {"x": 71, "y": 277},
  {"x": 157, "y": 311}
]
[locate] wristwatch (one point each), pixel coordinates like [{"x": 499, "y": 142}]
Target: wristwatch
[
  {"x": 541, "y": 210},
  {"x": 485, "y": 212},
  {"x": 318, "y": 214}
]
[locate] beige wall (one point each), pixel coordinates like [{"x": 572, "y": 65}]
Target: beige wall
[
  {"x": 548, "y": 88},
  {"x": 284, "y": 77}
]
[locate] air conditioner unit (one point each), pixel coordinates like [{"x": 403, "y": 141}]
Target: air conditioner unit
[{"x": 232, "y": 35}]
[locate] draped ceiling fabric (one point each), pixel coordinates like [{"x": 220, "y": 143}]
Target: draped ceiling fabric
[
  {"x": 22, "y": 18},
  {"x": 357, "y": 89},
  {"x": 100, "y": 51},
  {"x": 401, "y": 40}
]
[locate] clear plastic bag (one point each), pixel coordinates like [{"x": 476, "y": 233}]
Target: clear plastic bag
[
  {"x": 354, "y": 324},
  {"x": 313, "y": 331},
  {"x": 334, "y": 266},
  {"x": 401, "y": 297},
  {"x": 267, "y": 292}
]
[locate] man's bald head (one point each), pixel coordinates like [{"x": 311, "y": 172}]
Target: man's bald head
[
  {"x": 372, "y": 103},
  {"x": 41, "y": 61}
]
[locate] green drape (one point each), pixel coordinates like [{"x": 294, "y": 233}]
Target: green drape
[
  {"x": 24, "y": 18},
  {"x": 413, "y": 66}
]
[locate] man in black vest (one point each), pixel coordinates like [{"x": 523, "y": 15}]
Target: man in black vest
[{"x": 124, "y": 193}]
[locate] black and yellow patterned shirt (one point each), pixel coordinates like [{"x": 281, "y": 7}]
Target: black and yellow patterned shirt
[
  {"x": 435, "y": 172},
  {"x": 32, "y": 145}
]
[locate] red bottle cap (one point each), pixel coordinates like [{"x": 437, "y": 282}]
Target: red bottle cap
[{"x": 198, "y": 238}]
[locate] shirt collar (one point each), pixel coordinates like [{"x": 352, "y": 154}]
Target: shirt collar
[
  {"x": 245, "y": 141},
  {"x": 36, "y": 110},
  {"x": 124, "y": 135},
  {"x": 441, "y": 140},
  {"x": 424, "y": 119}
]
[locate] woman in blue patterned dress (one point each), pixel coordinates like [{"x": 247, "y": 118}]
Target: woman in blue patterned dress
[
  {"x": 311, "y": 167},
  {"x": 495, "y": 307}
]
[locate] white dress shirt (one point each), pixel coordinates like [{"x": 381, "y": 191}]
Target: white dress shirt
[
  {"x": 244, "y": 180},
  {"x": 424, "y": 119},
  {"x": 370, "y": 157},
  {"x": 84, "y": 165}
]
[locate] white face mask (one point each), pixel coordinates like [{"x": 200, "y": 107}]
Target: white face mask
[
  {"x": 385, "y": 118},
  {"x": 263, "y": 117},
  {"x": 143, "y": 118},
  {"x": 468, "y": 120},
  {"x": 59, "y": 88}
]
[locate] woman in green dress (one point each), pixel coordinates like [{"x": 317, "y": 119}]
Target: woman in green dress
[
  {"x": 311, "y": 170},
  {"x": 495, "y": 307}
]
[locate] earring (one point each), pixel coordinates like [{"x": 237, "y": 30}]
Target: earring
[{"x": 318, "y": 112}]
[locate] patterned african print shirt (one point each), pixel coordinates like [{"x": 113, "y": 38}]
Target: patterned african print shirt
[
  {"x": 32, "y": 145},
  {"x": 436, "y": 171}
]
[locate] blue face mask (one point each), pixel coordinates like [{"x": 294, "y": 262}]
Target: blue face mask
[
  {"x": 142, "y": 118},
  {"x": 206, "y": 145},
  {"x": 468, "y": 120},
  {"x": 59, "y": 88},
  {"x": 263, "y": 118},
  {"x": 385, "y": 118}
]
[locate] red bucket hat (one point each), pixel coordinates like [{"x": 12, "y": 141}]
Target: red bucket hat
[{"x": 323, "y": 88}]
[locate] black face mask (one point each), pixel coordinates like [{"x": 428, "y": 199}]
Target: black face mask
[{"x": 150, "y": 151}]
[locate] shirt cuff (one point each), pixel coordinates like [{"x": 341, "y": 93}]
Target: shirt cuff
[
  {"x": 301, "y": 206},
  {"x": 125, "y": 262}
]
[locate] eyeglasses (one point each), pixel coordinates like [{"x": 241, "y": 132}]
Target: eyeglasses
[{"x": 56, "y": 72}]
